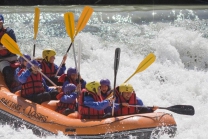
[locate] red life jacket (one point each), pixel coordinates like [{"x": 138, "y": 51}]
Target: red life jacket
[
  {"x": 126, "y": 110},
  {"x": 63, "y": 106},
  {"x": 62, "y": 78},
  {"x": 87, "y": 112},
  {"x": 49, "y": 72},
  {"x": 33, "y": 85},
  {"x": 3, "y": 52}
]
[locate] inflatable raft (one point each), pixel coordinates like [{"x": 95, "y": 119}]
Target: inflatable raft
[{"x": 44, "y": 120}]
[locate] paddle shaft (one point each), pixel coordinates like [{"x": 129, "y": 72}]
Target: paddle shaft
[
  {"x": 62, "y": 62},
  {"x": 75, "y": 61},
  {"x": 34, "y": 50},
  {"x": 130, "y": 77},
  {"x": 179, "y": 109},
  {"x": 116, "y": 64}
]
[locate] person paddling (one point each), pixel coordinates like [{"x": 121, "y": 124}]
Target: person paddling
[
  {"x": 67, "y": 103},
  {"x": 105, "y": 89},
  {"x": 7, "y": 59},
  {"x": 23, "y": 63},
  {"x": 34, "y": 87},
  {"x": 91, "y": 103},
  {"x": 48, "y": 66},
  {"x": 125, "y": 96},
  {"x": 71, "y": 77}
]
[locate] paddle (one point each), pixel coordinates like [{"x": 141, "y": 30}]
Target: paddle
[
  {"x": 12, "y": 46},
  {"x": 79, "y": 59},
  {"x": 69, "y": 24},
  {"x": 36, "y": 21},
  {"x": 116, "y": 64},
  {"x": 179, "y": 109},
  {"x": 144, "y": 64}
]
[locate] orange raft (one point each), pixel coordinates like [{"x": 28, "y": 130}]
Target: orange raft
[{"x": 43, "y": 119}]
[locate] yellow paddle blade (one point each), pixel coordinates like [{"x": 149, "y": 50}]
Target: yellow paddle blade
[
  {"x": 69, "y": 24},
  {"x": 85, "y": 16},
  {"x": 144, "y": 64},
  {"x": 10, "y": 44},
  {"x": 36, "y": 21}
]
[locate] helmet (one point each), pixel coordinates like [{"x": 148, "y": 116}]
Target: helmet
[
  {"x": 34, "y": 62},
  {"x": 71, "y": 70},
  {"x": 68, "y": 88},
  {"x": 21, "y": 59},
  {"x": 48, "y": 53},
  {"x": 92, "y": 86},
  {"x": 1, "y": 18},
  {"x": 125, "y": 87},
  {"x": 105, "y": 82}
]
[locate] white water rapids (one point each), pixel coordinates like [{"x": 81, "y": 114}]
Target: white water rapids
[{"x": 177, "y": 35}]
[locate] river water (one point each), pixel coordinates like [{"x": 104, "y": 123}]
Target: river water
[{"x": 177, "y": 35}]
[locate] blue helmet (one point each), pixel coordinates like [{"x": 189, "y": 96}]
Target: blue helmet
[
  {"x": 1, "y": 18},
  {"x": 69, "y": 88},
  {"x": 105, "y": 82},
  {"x": 21, "y": 59},
  {"x": 34, "y": 62},
  {"x": 71, "y": 70}
]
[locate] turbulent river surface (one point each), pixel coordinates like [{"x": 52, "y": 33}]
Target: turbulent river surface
[{"x": 177, "y": 35}]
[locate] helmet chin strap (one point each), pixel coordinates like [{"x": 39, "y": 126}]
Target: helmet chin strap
[{"x": 46, "y": 58}]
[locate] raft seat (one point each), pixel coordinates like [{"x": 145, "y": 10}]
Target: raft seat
[{"x": 50, "y": 104}]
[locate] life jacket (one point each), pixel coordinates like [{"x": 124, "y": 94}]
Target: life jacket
[
  {"x": 4, "y": 52},
  {"x": 126, "y": 110},
  {"x": 33, "y": 85},
  {"x": 64, "y": 78},
  {"x": 109, "y": 94},
  {"x": 61, "y": 107},
  {"x": 87, "y": 112},
  {"x": 48, "y": 71}
]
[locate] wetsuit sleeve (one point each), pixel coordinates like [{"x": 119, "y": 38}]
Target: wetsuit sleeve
[
  {"x": 23, "y": 76},
  {"x": 89, "y": 102},
  {"x": 142, "y": 110},
  {"x": 69, "y": 98},
  {"x": 11, "y": 33},
  {"x": 139, "y": 101},
  {"x": 47, "y": 89}
]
